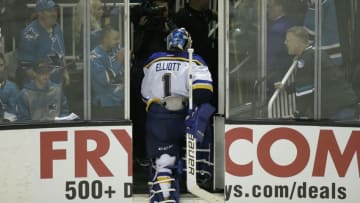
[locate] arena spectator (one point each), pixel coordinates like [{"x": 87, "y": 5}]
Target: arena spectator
[
  {"x": 339, "y": 101},
  {"x": 278, "y": 60},
  {"x": 42, "y": 39},
  {"x": 107, "y": 77},
  {"x": 96, "y": 14},
  {"x": 41, "y": 99},
  {"x": 330, "y": 41},
  {"x": 14, "y": 15}
]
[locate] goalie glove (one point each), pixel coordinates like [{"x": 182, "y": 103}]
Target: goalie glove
[{"x": 198, "y": 120}]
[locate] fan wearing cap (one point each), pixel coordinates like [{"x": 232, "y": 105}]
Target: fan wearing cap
[
  {"x": 41, "y": 99},
  {"x": 42, "y": 39}
]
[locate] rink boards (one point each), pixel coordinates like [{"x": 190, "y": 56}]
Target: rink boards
[
  {"x": 66, "y": 164},
  {"x": 263, "y": 163},
  {"x": 292, "y": 163}
]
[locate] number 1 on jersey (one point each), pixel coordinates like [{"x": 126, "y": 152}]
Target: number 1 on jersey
[{"x": 167, "y": 84}]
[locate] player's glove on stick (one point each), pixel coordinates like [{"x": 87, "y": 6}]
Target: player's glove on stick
[{"x": 198, "y": 119}]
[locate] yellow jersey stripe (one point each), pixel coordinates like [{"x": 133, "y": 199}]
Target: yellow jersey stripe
[
  {"x": 203, "y": 86},
  {"x": 150, "y": 101}
]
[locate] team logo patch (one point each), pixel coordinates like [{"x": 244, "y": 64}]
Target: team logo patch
[
  {"x": 94, "y": 55},
  {"x": 31, "y": 34},
  {"x": 113, "y": 57},
  {"x": 301, "y": 63},
  {"x": 56, "y": 58},
  {"x": 52, "y": 107},
  {"x": 52, "y": 37}
]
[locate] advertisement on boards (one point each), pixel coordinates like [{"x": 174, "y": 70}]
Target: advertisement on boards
[
  {"x": 269, "y": 163},
  {"x": 72, "y": 164}
]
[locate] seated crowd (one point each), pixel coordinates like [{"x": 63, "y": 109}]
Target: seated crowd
[{"x": 38, "y": 93}]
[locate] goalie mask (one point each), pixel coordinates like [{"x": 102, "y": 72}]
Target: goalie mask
[{"x": 178, "y": 40}]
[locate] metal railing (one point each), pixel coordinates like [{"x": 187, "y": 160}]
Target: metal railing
[{"x": 282, "y": 103}]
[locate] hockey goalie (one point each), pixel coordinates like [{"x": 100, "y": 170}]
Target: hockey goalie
[{"x": 165, "y": 89}]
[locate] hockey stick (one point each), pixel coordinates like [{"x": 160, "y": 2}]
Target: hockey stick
[{"x": 191, "y": 183}]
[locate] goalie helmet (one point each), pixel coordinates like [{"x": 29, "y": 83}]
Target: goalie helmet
[{"x": 178, "y": 40}]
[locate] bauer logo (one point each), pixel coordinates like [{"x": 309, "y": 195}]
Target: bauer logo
[
  {"x": 191, "y": 151},
  {"x": 292, "y": 163}
]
